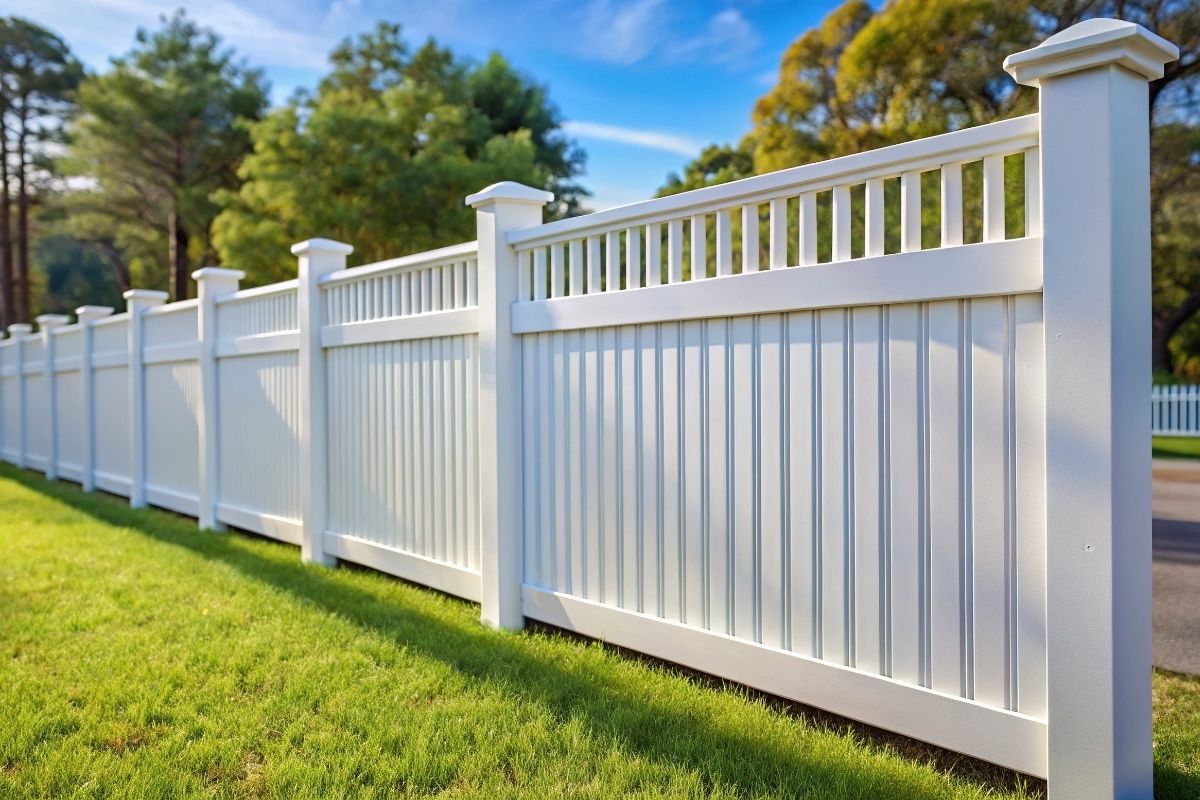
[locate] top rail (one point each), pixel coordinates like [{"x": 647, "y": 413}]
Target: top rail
[
  {"x": 283, "y": 287},
  {"x": 442, "y": 254},
  {"x": 964, "y": 145}
]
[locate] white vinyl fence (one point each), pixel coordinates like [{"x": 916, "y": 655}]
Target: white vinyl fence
[
  {"x": 1175, "y": 410},
  {"x": 746, "y": 428}
]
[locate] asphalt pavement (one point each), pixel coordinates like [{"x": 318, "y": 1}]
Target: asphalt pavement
[{"x": 1177, "y": 565}]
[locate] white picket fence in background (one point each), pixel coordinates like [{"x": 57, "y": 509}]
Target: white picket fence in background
[
  {"x": 909, "y": 487},
  {"x": 1175, "y": 410}
]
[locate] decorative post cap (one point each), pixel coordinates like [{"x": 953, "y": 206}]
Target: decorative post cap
[
  {"x": 48, "y": 322},
  {"x": 309, "y": 246},
  {"x": 511, "y": 192},
  {"x": 145, "y": 296},
  {"x": 19, "y": 329},
  {"x": 1093, "y": 43},
  {"x": 208, "y": 273},
  {"x": 89, "y": 313}
]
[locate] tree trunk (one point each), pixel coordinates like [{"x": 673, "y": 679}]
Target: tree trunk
[
  {"x": 1166, "y": 326},
  {"x": 179, "y": 266},
  {"x": 7, "y": 297},
  {"x": 23, "y": 304}
]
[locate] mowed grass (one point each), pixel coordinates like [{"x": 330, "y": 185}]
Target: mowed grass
[
  {"x": 141, "y": 658},
  {"x": 1176, "y": 447}
]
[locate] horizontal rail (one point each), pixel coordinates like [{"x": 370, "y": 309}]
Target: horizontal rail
[
  {"x": 1003, "y": 737},
  {"x": 171, "y": 308},
  {"x": 283, "y": 287},
  {"x": 451, "y": 253},
  {"x": 258, "y": 344},
  {"x": 167, "y": 353},
  {"x": 396, "y": 329},
  {"x": 112, "y": 319},
  {"x": 968, "y": 144},
  {"x": 112, "y": 359},
  {"x": 440, "y": 575},
  {"x": 976, "y": 270},
  {"x": 281, "y": 528}
]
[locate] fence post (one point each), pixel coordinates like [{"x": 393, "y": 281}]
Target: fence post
[
  {"x": 499, "y": 209},
  {"x": 87, "y": 391},
  {"x": 1095, "y": 172},
  {"x": 18, "y": 331},
  {"x": 211, "y": 283},
  {"x": 47, "y": 323},
  {"x": 137, "y": 302},
  {"x": 317, "y": 257}
]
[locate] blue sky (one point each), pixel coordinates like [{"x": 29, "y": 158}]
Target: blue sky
[{"x": 643, "y": 84}]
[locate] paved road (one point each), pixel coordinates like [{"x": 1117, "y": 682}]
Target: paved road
[{"x": 1177, "y": 565}]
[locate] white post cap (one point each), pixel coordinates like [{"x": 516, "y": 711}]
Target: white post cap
[
  {"x": 1093, "y": 43},
  {"x": 89, "y": 313},
  {"x": 19, "y": 329},
  {"x": 509, "y": 192},
  {"x": 312, "y": 246},
  {"x": 145, "y": 296},
  {"x": 211, "y": 273},
  {"x": 48, "y": 322}
]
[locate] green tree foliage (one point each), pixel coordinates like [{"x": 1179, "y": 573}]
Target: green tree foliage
[
  {"x": 869, "y": 77},
  {"x": 158, "y": 135},
  {"x": 382, "y": 154},
  {"x": 37, "y": 77}
]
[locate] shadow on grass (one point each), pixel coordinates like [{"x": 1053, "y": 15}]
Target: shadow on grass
[{"x": 587, "y": 691}]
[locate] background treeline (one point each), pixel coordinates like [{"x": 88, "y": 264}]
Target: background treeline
[
  {"x": 865, "y": 78},
  {"x": 171, "y": 158}
]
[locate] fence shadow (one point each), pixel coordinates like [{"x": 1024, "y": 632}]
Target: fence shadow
[{"x": 607, "y": 707}]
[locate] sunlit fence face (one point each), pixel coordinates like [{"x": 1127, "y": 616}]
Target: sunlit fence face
[{"x": 869, "y": 433}]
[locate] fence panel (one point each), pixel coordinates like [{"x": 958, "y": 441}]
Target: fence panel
[
  {"x": 67, "y": 414},
  {"x": 827, "y": 482},
  {"x": 401, "y": 375},
  {"x": 172, "y": 376},
  {"x": 258, "y": 412},
  {"x": 10, "y": 402},
  {"x": 112, "y": 428}
]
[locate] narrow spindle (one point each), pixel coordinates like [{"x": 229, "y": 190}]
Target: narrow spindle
[
  {"x": 575, "y": 256},
  {"x": 653, "y": 254},
  {"x": 875, "y": 222},
  {"x": 612, "y": 261},
  {"x": 808, "y": 229},
  {"x": 841, "y": 223},
  {"x": 539, "y": 274},
  {"x": 593, "y": 264},
  {"x": 750, "y": 238},
  {"x": 910, "y": 211},
  {"x": 724, "y": 244},
  {"x": 699, "y": 248},
  {"x": 675, "y": 251},
  {"x": 993, "y": 199},
  {"x": 633, "y": 258},
  {"x": 556, "y": 270},
  {"x": 778, "y": 224}
]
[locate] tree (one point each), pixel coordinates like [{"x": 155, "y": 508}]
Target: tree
[
  {"x": 37, "y": 77},
  {"x": 382, "y": 154},
  {"x": 158, "y": 135},
  {"x": 866, "y": 78}
]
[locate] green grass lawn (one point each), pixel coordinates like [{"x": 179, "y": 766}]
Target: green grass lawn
[
  {"x": 1176, "y": 447},
  {"x": 141, "y": 658}
]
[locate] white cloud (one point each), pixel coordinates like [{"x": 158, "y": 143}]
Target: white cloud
[
  {"x": 654, "y": 140},
  {"x": 622, "y": 33},
  {"x": 99, "y": 29},
  {"x": 628, "y": 31},
  {"x": 727, "y": 39}
]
